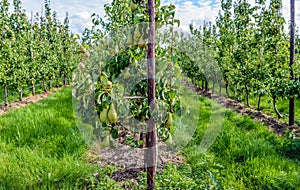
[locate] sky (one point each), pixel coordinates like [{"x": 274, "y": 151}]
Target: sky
[{"x": 187, "y": 11}]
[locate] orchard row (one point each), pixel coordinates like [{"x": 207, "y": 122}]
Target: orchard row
[
  {"x": 246, "y": 52},
  {"x": 250, "y": 47},
  {"x": 34, "y": 50}
]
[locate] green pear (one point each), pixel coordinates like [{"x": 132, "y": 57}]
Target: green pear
[
  {"x": 103, "y": 116},
  {"x": 169, "y": 120},
  {"x": 112, "y": 114},
  {"x": 106, "y": 141},
  {"x": 127, "y": 74},
  {"x": 137, "y": 34},
  {"x": 109, "y": 84},
  {"x": 169, "y": 140},
  {"x": 133, "y": 7},
  {"x": 81, "y": 66}
]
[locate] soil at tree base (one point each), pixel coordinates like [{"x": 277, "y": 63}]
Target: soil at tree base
[
  {"x": 130, "y": 161},
  {"x": 26, "y": 101}
]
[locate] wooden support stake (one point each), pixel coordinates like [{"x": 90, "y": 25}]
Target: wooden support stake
[
  {"x": 292, "y": 53},
  {"x": 150, "y": 155}
]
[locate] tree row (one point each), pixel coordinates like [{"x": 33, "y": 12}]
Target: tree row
[
  {"x": 34, "y": 50},
  {"x": 249, "y": 46}
]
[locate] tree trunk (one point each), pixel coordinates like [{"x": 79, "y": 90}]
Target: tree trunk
[
  {"x": 213, "y": 87},
  {"x": 226, "y": 88},
  {"x": 5, "y": 95},
  {"x": 20, "y": 95},
  {"x": 33, "y": 89},
  {"x": 237, "y": 96},
  {"x": 247, "y": 95},
  {"x": 56, "y": 84},
  {"x": 44, "y": 85},
  {"x": 50, "y": 85},
  {"x": 206, "y": 85},
  {"x": 258, "y": 102},
  {"x": 292, "y": 111},
  {"x": 202, "y": 86},
  {"x": 64, "y": 79},
  {"x": 275, "y": 108},
  {"x": 220, "y": 89}
]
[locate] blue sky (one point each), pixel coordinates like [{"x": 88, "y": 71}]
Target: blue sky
[{"x": 186, "y": 11}]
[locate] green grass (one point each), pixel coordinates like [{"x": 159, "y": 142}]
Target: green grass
[
  {"x": 282, "y": 105},
  {"x": 266, "y": 104},
  {"x": 244, "y": 156},
  {"x": 41, "y": 148}
]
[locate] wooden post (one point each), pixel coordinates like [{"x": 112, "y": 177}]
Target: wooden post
[
  {"x": 292, "y": 53},
  {"x": 171, "y": 63},
  {"x": 150, "y": 155}
]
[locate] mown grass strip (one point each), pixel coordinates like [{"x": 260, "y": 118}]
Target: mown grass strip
[
  {"x": 244, "y": 156},
  {"x": 41, "y": 148}
]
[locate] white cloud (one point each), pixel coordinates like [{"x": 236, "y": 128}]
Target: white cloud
[
  {"x": 79, "y": 11},
  {"x": 205, "y": 3},
  {"x": 77, "y": 20},
  {"x": 187, "y": 11}
]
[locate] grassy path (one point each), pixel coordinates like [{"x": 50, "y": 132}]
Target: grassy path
[
  {"x": 41, "y": 148},
  {"x": 245, "y": 155}
]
